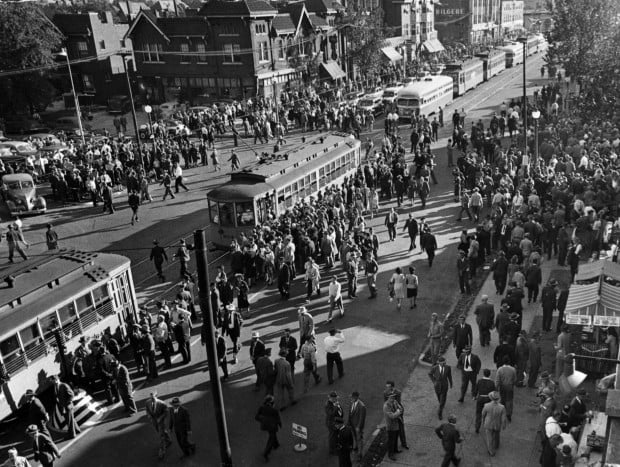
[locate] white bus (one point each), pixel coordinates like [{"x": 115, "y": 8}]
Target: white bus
[
  {"x": 425, "y": 97},
  {"x": 514, "y": 53}
]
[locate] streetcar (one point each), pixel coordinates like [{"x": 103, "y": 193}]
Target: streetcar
[
  {"x": 424, "y": 97},
  {"x": 276, "y": 182},
  {"x": 514, "y": 53},
  {"x": 533, "y": 45},
  {"x": 466, "y": 74},
  {"x": 55, "y": 298},
  {"x": 493, "y": 62}
]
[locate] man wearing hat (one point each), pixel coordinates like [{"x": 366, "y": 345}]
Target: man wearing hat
[
  {"x": 494, "y": 420},
  {"x": 283, "y": 380},
  {"x": 450, "y": 437},
  {"x": 158, "y": 256},
  {"x": 306, "y": 325},
  {"x": 269, "y": 419},
  {"x": 505, "y": 380},
  {"x": 257, "y": 350},
  {"x": 158, "y": 412},
  {"x": 333, "y": 413},
  {"x": 64, "y": 398},
  {"x": 37, "y": 415},
  {"x": 501, "y": 320},
  {"x": 44, "y": 450},
  {"x": 462, "y": 267},
  {"x": 289, "y": 343},
  {"x": 578, "y": 409},
  {"x": 462, "y": 337},
  {"x": 357, "y": 421},
  {"x": 485, "y": 317},
  {"x": 441, "y": 376},
  {"x": 534, "y": 359},
  {"x": 181, "y": 424},
  {"x": 549, "y": 303},
  {"x": 469, "y": 364},
  {"x": 500, "y": 272},
  {"x": 122, "y": 382},
  {"x": 484, "y": 387},
  {"x": 435, "y": 333},
  {"x": 512, "y": 329},
  {"x": 392, "y": 412},
  {"x": 183, "y": 255},
  {"x": 147, "y": 344}
]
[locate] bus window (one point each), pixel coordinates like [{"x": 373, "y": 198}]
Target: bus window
[
  {"x": 322, "y": 179},
  {"x": 30, "y": 339},
  {"x": 101, "y": 296},
  {"x": 10, "y": 350},
  {"x": 245, "y": 213},
  {"x": 213, "y": 215},
  {"x": 226, "y": 214}
]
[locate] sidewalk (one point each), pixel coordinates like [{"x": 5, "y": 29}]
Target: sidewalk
[{"x": 519, "y": 447}]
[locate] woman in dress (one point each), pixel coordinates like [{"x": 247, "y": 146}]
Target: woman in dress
[
  {"x": 398, "y": 284},
  {"x": 412, "y": 287}
]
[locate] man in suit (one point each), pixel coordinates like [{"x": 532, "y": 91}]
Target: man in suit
[
  {"x": 220, "y": 345},
  {"x": 484, "y": 387},
  {"x": 333, "y": 412},
  {"x": 512, "y": 329},
  {"x": 577, "y": 411},
  {"x": 289, "y": 343},
  {"x": 494, "y": 421},
  {"x": 269, "y": 419},
  {"x": 122, "y": 381},
  {"x": 64, "y": 398},
  {"x": 181, "y": 424},
  {"x": 389, "y": 390},
  {"x": 158, "y": 412},
  {"x": 391, "y": 219},
  {"x": 485, "y": 317},
  {"x": 284, "y": 381},
  {"x": 469, "y": 364},
  {"x": 357, "y": 420},
  {"x": 37, "y": 415},
  {"x": 522, "y": 355},
  {"x": 257, "y": 350},
  {"x": 534, "y": 358},
  {"x": 450, "y": 437},
  {"x": 44, "y": 449},
  {"x": 441, "y": 376},
  {"x": 183, "y": 334},
  {"x": 505, "y": 380},
  {"x": 391, "y": 413},
  {"x": 306, "y": 325},
  {"x": 504, "y": 350},
  {"x": 462, "y": 336},
  {"x": 549, "y": 303}
]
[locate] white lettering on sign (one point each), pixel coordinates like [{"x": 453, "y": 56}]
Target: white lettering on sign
[
  {"x": 607, "y": 321},
  {"x": 450, "y": 11},
  {"x": 300, "y": 431},
  {"x": 580, "y": 320}
]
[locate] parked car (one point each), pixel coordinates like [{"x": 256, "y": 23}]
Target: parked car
[
  {"x": 371, "y": 104},
  {"x": 20, "y": 195},
  {"x": 47, "y": 138},
  {"x": 376, "y": 91},
  {"x": 171, "y": 127},
  {"x": 119, "y": 104},
  {"x": 21, "y": 148}
]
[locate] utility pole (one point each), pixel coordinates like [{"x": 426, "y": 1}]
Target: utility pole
[
  {"x": 202, "y": 269},
  {"x": 123, "y": 54}
]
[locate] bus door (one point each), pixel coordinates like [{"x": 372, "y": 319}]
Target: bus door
[{"x": 123, "y": 298}]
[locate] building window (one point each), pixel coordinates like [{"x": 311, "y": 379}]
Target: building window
[
  {"x": 260, "y": 28},
  {"x": 281, "y": 50},
  {"x": 87, "y": 81},
  {"x": 82, "y": 49},
  {"x": 102, "y": 45},
  {"x": 231, "y": 53},
  {"x": 150, "y": 52},
  {"x": 201, "y": 48},
  {"x": 263, "y": 53},
  {"x": 185, "y": 48}
]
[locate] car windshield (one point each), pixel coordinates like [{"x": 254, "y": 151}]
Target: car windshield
[
  {"x": 27, "y": 184},
  {"x": 13, "y": 185}
]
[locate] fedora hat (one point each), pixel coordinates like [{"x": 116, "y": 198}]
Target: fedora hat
[{"x": 494, "y": 396}]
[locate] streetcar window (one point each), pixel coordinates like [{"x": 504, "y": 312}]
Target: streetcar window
[
  {"x": 100, "y": 295},
  {"x": 48, "y": 324},
  {"x": 213, "y": 215},
  {"x": 227, "y": 218},
  {"x": 245, "y": 213},
  {"x": 29, "y": 334},
  {"x": 9, "y": 348},
  {"x": 68, "y": 314}
]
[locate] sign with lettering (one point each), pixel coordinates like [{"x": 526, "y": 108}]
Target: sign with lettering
[
  {"x": 579, "y": 320},
  {"x": 300, "y": 431},
  {"x": 451, "y": 10},
  {"x": 607, "y": 321}
]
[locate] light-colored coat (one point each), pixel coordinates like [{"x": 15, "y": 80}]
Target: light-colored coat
[{"x": 494, "y": 416}]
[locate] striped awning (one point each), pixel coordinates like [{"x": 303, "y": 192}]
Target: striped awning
[{"x": 391, "y": 54}]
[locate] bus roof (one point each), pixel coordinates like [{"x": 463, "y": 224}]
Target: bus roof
[
  {"x": 464, "y": 64},
  {"x": 297, "y": 157},
  {"x": 43, "y": 281},
  {"x": 426, "y": 85},
  {"x": 512, "y": 47},
  {"x": 490, "y": 53}
]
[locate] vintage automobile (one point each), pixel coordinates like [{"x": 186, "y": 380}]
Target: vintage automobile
[{"x": 20, "y": 195}]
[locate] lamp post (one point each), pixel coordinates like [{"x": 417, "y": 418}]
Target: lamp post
[
  {"x": 64, "y": 53},
  {"x": 536, "y": 116},
  {"x": 523, "y": 41},
  {"x": 124, "y": 53},
  {"x": 148, "y": 109}
]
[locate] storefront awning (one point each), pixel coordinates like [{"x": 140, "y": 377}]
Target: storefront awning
[
  {"x": 433, "y": 46},
  {"x": 598, "y": 268},
  {"x": 391, "y": 54},
  {"x": 275, "y": 73},
  {"x": 333, "y": 70}
]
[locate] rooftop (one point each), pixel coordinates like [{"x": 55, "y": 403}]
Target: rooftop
[{"x": 239, "y": 8}]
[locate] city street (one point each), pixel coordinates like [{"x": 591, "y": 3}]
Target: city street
[{"x": 381, "y": 343}]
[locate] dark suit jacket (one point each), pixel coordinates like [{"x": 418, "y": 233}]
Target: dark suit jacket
[
  {"x": 484, "y": 387},
  {"x": 182, "y": 332},
  {"x": 65, "y": 396},
  {"x": 36, "y": 412},
  {"x": 462, "y": 335},
  {"x": 179, "y": 421},
  {"x": 474, "y": 362},
  {"x": 269, "y": 418},
  {"x": 220, "y": 344},
  {"x": 45, "y": 451},
  {"x": 357, "y": 417},
  {"x": 485, "y": 315},
  {"x": 290, "y": 346},
  {"x": 449, "y": 436},
  {"x": 257, "y": 349},
  {"x": 441, "y": 381}
]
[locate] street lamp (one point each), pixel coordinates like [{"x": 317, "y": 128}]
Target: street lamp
[
  {"x": 523, "y": 41},
  {"x": 536, "y": 116},
  {"x": 64, "y": 53},
  {"x": 125, "y": 53},
  {"x": 148, "y": 109}
]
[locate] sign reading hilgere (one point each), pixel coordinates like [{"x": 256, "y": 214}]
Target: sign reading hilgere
[{"x": 300, "y": 431}]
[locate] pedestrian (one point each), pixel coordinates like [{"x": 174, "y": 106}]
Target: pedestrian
[
  {"x": 108, "y": 198},
  {"x": 183, "y": 334},
  {"x": 522, "y": 354},
  {"x": 372, "y": 268},
  {"x": 220, "y": 344},
  {"x": 178, "y": 178},
  {"x": 308, "y": 354},
  {"x": 345, "y": 441},
  {"x": 306, "y": 325},
  {"x": 352, "y": 268},
  {"x": 44, "y": 450},
  {"x": 183, "y": 255},
  {"x": 147, "y": 345},
  {"x": 412, "y": 282},
  {"x": 500, "y": 272},
  {"x": 391, "y": 220},
  {"x": 257, "y": 350},
  {"x": 462, "y": 336},
  {"x": 284, "y": 383},
  {"x": 550, "y": 454},
  {"x": 435, "y": 334},
  {"x": 441, "y": 377},
  {"x": 463, "y": 271},
  {"x": 233, "y": 324},
  {"x": 494, "y": 421},
  {"x": 357, "y": 421},
  {"x": 450, "y": 437},
  {"x": 397, "y": 287},
  {"x": 411, "y": 226},
  {"x": 535, "y": 359},
  {"x": 158, "y": 413},
  {"x": 64, "y": 398},
  {"x": 122, "y": 382},
  {"x": 505, "y": 380},
  {"x": 51, "y": 238},
  {"x": 269, "y": 419},
  {"x": 392, "y": 413},
  {"x": 469, "y": 364},
  {"x": 37, "y": 414},
  {"x": 215, "y": 160},
  {"x": 15, "y": 460},
  {"x": 485, "y": 317},
  {"x": 134, "y": 204},
  {"x": 484, "y": 387},
  {"x": 289, "y": 344},
  {"x": 332, "y": 345},
  {"x": 15, "y": 238},
  {"x": 166, "y": 181},
  {"x": 335, "y": 298},
  {"x": 235, "y": 163},
  {"x": 549, "y": 303},
  {"x": 333, "y": 415},
  {"x": 180, "y": 423}
]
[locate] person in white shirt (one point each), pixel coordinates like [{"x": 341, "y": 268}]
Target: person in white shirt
[
  {"x": 552, "y": 427},
  {"x": 15, "y": 460},
  {"x": 335, "y": 298},
  {"x": 332, "y": 352},
  {"x": 178, "y": 178}
]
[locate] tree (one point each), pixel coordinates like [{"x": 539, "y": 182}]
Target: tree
[
  {"x": 365, "y": 38},
  {"x": 28, "y": 41}
]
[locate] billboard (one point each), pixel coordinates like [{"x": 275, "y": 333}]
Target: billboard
[{"x": 451, "y": 11}]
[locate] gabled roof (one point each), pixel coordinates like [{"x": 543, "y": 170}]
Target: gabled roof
[
  {"x": 283, "y": 24},
  {"x": 317, "y": 21},
  {"x": 134, "y": 9},
  {"x": 73, "y": 24},
  {"x": 239, "y": 8},
  {"x": 323, "y": 6},
  {"x": 184, "y": 26},
  {"x": 148, "y": 16},
  {"x": 297, "y": 12}
]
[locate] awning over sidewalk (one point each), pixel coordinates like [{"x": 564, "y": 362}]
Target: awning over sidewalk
[
  {"x": 599, "y": 268},
  {"x": 391, "y": 54},
  {"x": 333, "y": 70},
  {"x": 433, "y": 46}
]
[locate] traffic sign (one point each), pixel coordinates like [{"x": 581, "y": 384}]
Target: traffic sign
[{"x": 300, "y": 431}]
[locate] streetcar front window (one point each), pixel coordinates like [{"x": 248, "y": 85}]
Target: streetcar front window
[
  {"x": 245, "y": 213},
  {"x": 213, "y": 214},
  {"x": 227, "y": 217},
  {"x": 9, "y": 348}
]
